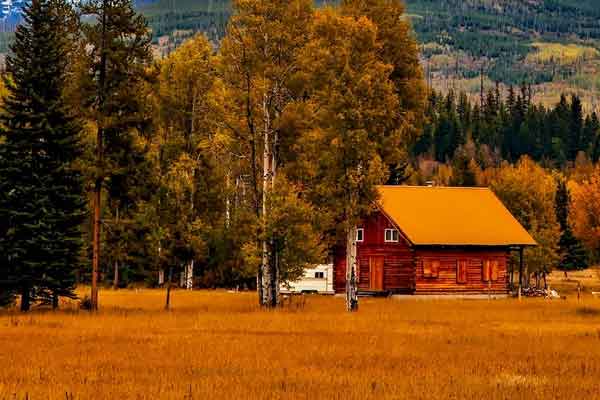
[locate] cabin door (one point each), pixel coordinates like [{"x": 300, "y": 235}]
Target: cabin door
[{"x": 376, "y": 273}]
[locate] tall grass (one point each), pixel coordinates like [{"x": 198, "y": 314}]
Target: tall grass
[{"x": 220, "y": 345}]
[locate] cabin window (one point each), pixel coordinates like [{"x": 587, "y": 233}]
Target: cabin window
[
  {"x": 360, "y": 235},
  {"x": 461, "y": 271},
  {"x": 431, "y": 268},
  {"x": 319, "y": 275},
  {"x": 391, "y": 235},
  {"x": 490, "y": 270}
]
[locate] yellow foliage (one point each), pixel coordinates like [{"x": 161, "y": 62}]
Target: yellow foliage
[
  {"x": 185, "y": 80},
  {"x": 219, "y": 345},
  {"x": 3, "y": 90},
  {"x": 529, "y": 191},
  {"x": 561, "y": 53},
  {"x": 585, "y": 210}
]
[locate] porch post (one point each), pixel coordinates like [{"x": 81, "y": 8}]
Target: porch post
[
  {"x": 512, "y": 275},
  {"x": 520, "y": 270}
]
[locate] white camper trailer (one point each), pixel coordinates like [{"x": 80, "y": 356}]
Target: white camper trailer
[{"x": 318, "y": 279}]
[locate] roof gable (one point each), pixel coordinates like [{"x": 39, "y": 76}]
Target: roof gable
[{"x": 452, "y": 216}]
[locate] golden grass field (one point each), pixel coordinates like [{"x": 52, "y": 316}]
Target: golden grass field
[{"x": 215, "y": 344}]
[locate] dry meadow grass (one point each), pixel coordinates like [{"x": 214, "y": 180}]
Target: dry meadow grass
[{"x": 220, "y": 345}]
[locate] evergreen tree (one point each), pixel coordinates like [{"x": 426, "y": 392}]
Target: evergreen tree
[
  {"x": 591, "y": 129},
  {"x": 462, "y": 173},
  {"x": 464, "y": 111},
  {"x": 596, "y": 149},
  {"x": 41, "y": 200},
  {"x": 574, "y": 137},
  {"x": 117, "y": 43},
  {"x": 571, "y": 250},
  {"x": 7, "y": 295}
]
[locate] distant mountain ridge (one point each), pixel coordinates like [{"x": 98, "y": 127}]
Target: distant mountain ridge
[{"x": 552, "y": 44}]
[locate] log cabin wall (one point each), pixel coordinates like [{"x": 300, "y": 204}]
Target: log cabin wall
[
  {"x": 398, "y": 275},
  {"x": 483, "y": 267}
]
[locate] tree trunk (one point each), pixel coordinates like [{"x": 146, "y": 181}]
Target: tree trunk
[
  {"x": 351, "y": 284},
  {"x": 275, "y": 276},
  {"x": 161, "y": 277},
  {"x": 99, "y": 162},
  {"x": 269, "y": 297},
  {"x": 189, "y": 276},
  {"x": 168, "y": 301},
  {"x": 55, "y": 301},
  {"x": 254, "y": 165},
  {"x": 96, "y": 240},
  {"x": 227, "y": 199},
  {"x": 259, "y": 285},
  {"x": 25, "y": 298},
  {"x": 116, "y": 276}
]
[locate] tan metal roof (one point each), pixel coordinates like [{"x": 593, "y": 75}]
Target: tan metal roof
[{"x": 452, "y": 216}]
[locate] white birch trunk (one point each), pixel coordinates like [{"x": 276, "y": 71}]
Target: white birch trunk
[
  {"x": 227, "y": 199},
  {"x": 266, "y": 270},
  {"x": 274, "y": 264},
  {"x": 161, "y": 277},
  {"x": 351, "y": 284},
  {"x": 189, "y": 276}
]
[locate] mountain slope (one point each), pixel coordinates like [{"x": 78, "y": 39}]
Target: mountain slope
[{"x": 552, "y": 44}]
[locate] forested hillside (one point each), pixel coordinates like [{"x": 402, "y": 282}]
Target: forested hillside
[{"x": 552, "y": 44}]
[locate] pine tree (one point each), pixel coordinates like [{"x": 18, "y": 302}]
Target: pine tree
[
  {"x": 41, "y": 200},
  {"x": 591, "y": 129},
  {"x": 462, "y": 172},
  {"x": 117, "y": 41},
  {"x": 596, "y": 149},
  {"x": 571, "y": 250},
  {"x": 573, "y": 140}
]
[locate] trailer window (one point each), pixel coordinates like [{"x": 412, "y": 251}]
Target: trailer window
[{"x": 319, "y": 275}]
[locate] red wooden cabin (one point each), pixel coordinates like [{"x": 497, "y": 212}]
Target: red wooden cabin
[{"x": 435, "y": 240}]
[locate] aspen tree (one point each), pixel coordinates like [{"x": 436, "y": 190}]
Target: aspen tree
[
  {"x": 258, "y": 60},
  {"x": 351, "y": 103}
]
